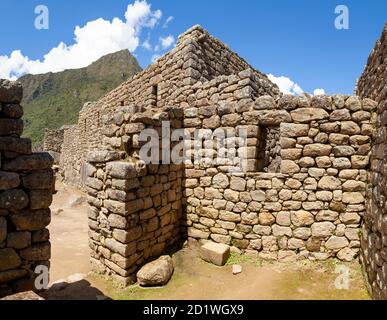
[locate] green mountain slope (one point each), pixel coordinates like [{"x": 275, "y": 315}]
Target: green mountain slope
[{"x": 54, "y": 99}]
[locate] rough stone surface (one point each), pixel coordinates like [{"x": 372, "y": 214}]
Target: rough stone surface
[
  {"x": 286, "y": 191},
  {"x": 215, "y": 253},
  {"x": 26, "y": 184},
  {"x": 372, "y": 85},
  {"x": 156, "y": 273}
]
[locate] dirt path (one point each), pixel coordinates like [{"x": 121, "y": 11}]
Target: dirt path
[
  {"x": 69, "y": 234},
  {"x": 192, "y": 279}
]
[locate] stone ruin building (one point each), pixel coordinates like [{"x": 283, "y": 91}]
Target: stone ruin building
[
  {"x": 26, "y": 188},
  {"x": 312, "y": 184}
]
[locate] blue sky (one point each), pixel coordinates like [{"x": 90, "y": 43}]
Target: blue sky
[{"x": 295, "y": 39}]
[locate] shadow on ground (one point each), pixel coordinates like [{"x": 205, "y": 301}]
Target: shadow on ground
[{"x": 80, "y": 290}]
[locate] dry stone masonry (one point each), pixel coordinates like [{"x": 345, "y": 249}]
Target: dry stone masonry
[
  {"x": 313, "y": 168},
  {"x": 312, "y": 208},
  {"x": 26, "y": 187},
  {"x": 373, "y": 84}
]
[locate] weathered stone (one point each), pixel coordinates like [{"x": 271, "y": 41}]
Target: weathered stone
[
  {"x": 9, "y": 180},
  {"x": 266, "y": 218},
  {"x": 335, "y": 243},
  {"x": 306, "y": 115},
  {"x": 20, "y": 146},
  {"x": 291, "y": 130},
  {"x": 327, "y": 215},
  {"x": 10, "y": 91},
  {"x": 343, "y": 151},
  {"x": 238, "y": 184},
  {"x": 36, "y": 161},
  {"x": 220, "y": 181},
  {"x": 353, "y": 104},
  {"x": 121, "y": 170},
  {"x": 340, "y": 115},
  {"x": 103, "y": 156},
  {"x": 288, "y": 166},
  {"x": 215, "y": 253},
  {"x": 39, "y": 180},
  {"x": 291, "y": 154},
  {"x": 156, "y": 273},
  {"x": 124, "y": 250},
  {"x": 329, "y": 183},
  {"x": 19, "y": 240},
  {"x": 31, "y": 220},
  {"x": 354, "y": 185},
  {"x": 279, "y": 231},
  {"x": 12, "y": 275},
  {"x": 9, "y": 259},
  {"x": 323, "y": 229},
  {"x": 13, "y": 200},
  {"x": 198, "y": 234},
  {"x": 37, "y": 252},
  {"x": 321, "y": 101},
  {"x": 350, "y": 128},
  {"x": 346, "y": 254},
  {"x": 353, "y": 197},
  {"x": 317, "y": 150},
  {"x": 360, "y": 162},
  {"x": 324, "y": 195},
  {"x": 40, "y": 199},
  {"x": 302, "y": 218},
  {"x": 302, "y": 233}
]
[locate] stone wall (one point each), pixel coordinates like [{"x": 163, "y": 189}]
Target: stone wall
[
  {"x": 372, "y": 84},
  {"x": 135, "y": 209},
  {"x": 313, "y": 207},
  {"x": 26, "y": 187},
  {"x": 197, "y": 58},
  {"x": 305, "y": 163}
]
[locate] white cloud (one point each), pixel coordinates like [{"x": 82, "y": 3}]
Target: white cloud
[
  {"x": 146, "y": 45},
  {"x": 286, "y": 85},
  {"x": 168, "y": 21},
  {"x": 319, "y": 92},
  {"x": 167, "y": 42},
  {"x": 92, "y": 41}
]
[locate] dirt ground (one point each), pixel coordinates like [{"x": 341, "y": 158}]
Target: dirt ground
[
  {"x": 69, "y": 234},
  {"x": 193, "y": 278}
]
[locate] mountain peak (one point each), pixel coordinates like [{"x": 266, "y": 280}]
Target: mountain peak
[{"x": 52, "y": 100}]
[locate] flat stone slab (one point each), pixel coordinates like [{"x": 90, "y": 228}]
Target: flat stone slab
[{"x": 215, "y": 253}]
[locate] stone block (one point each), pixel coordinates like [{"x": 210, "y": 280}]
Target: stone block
[{"x": 215, "y": 253}]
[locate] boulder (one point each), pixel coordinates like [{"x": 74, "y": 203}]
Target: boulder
[
  {"x": 215, "y": 253},
  {"x": 156, "y": 273}
]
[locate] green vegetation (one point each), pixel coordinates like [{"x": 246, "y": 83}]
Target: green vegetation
[
  {"x": 236, "y": 258},
  {"x": 54, "y": 99}
]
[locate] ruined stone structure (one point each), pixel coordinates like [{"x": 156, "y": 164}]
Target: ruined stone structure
[
  {"x": 26, "y": 187},
  {"x": 305, "y": 161},
  {"x": 305, "y": 184},
  {"x": 373, "y": 84}
]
